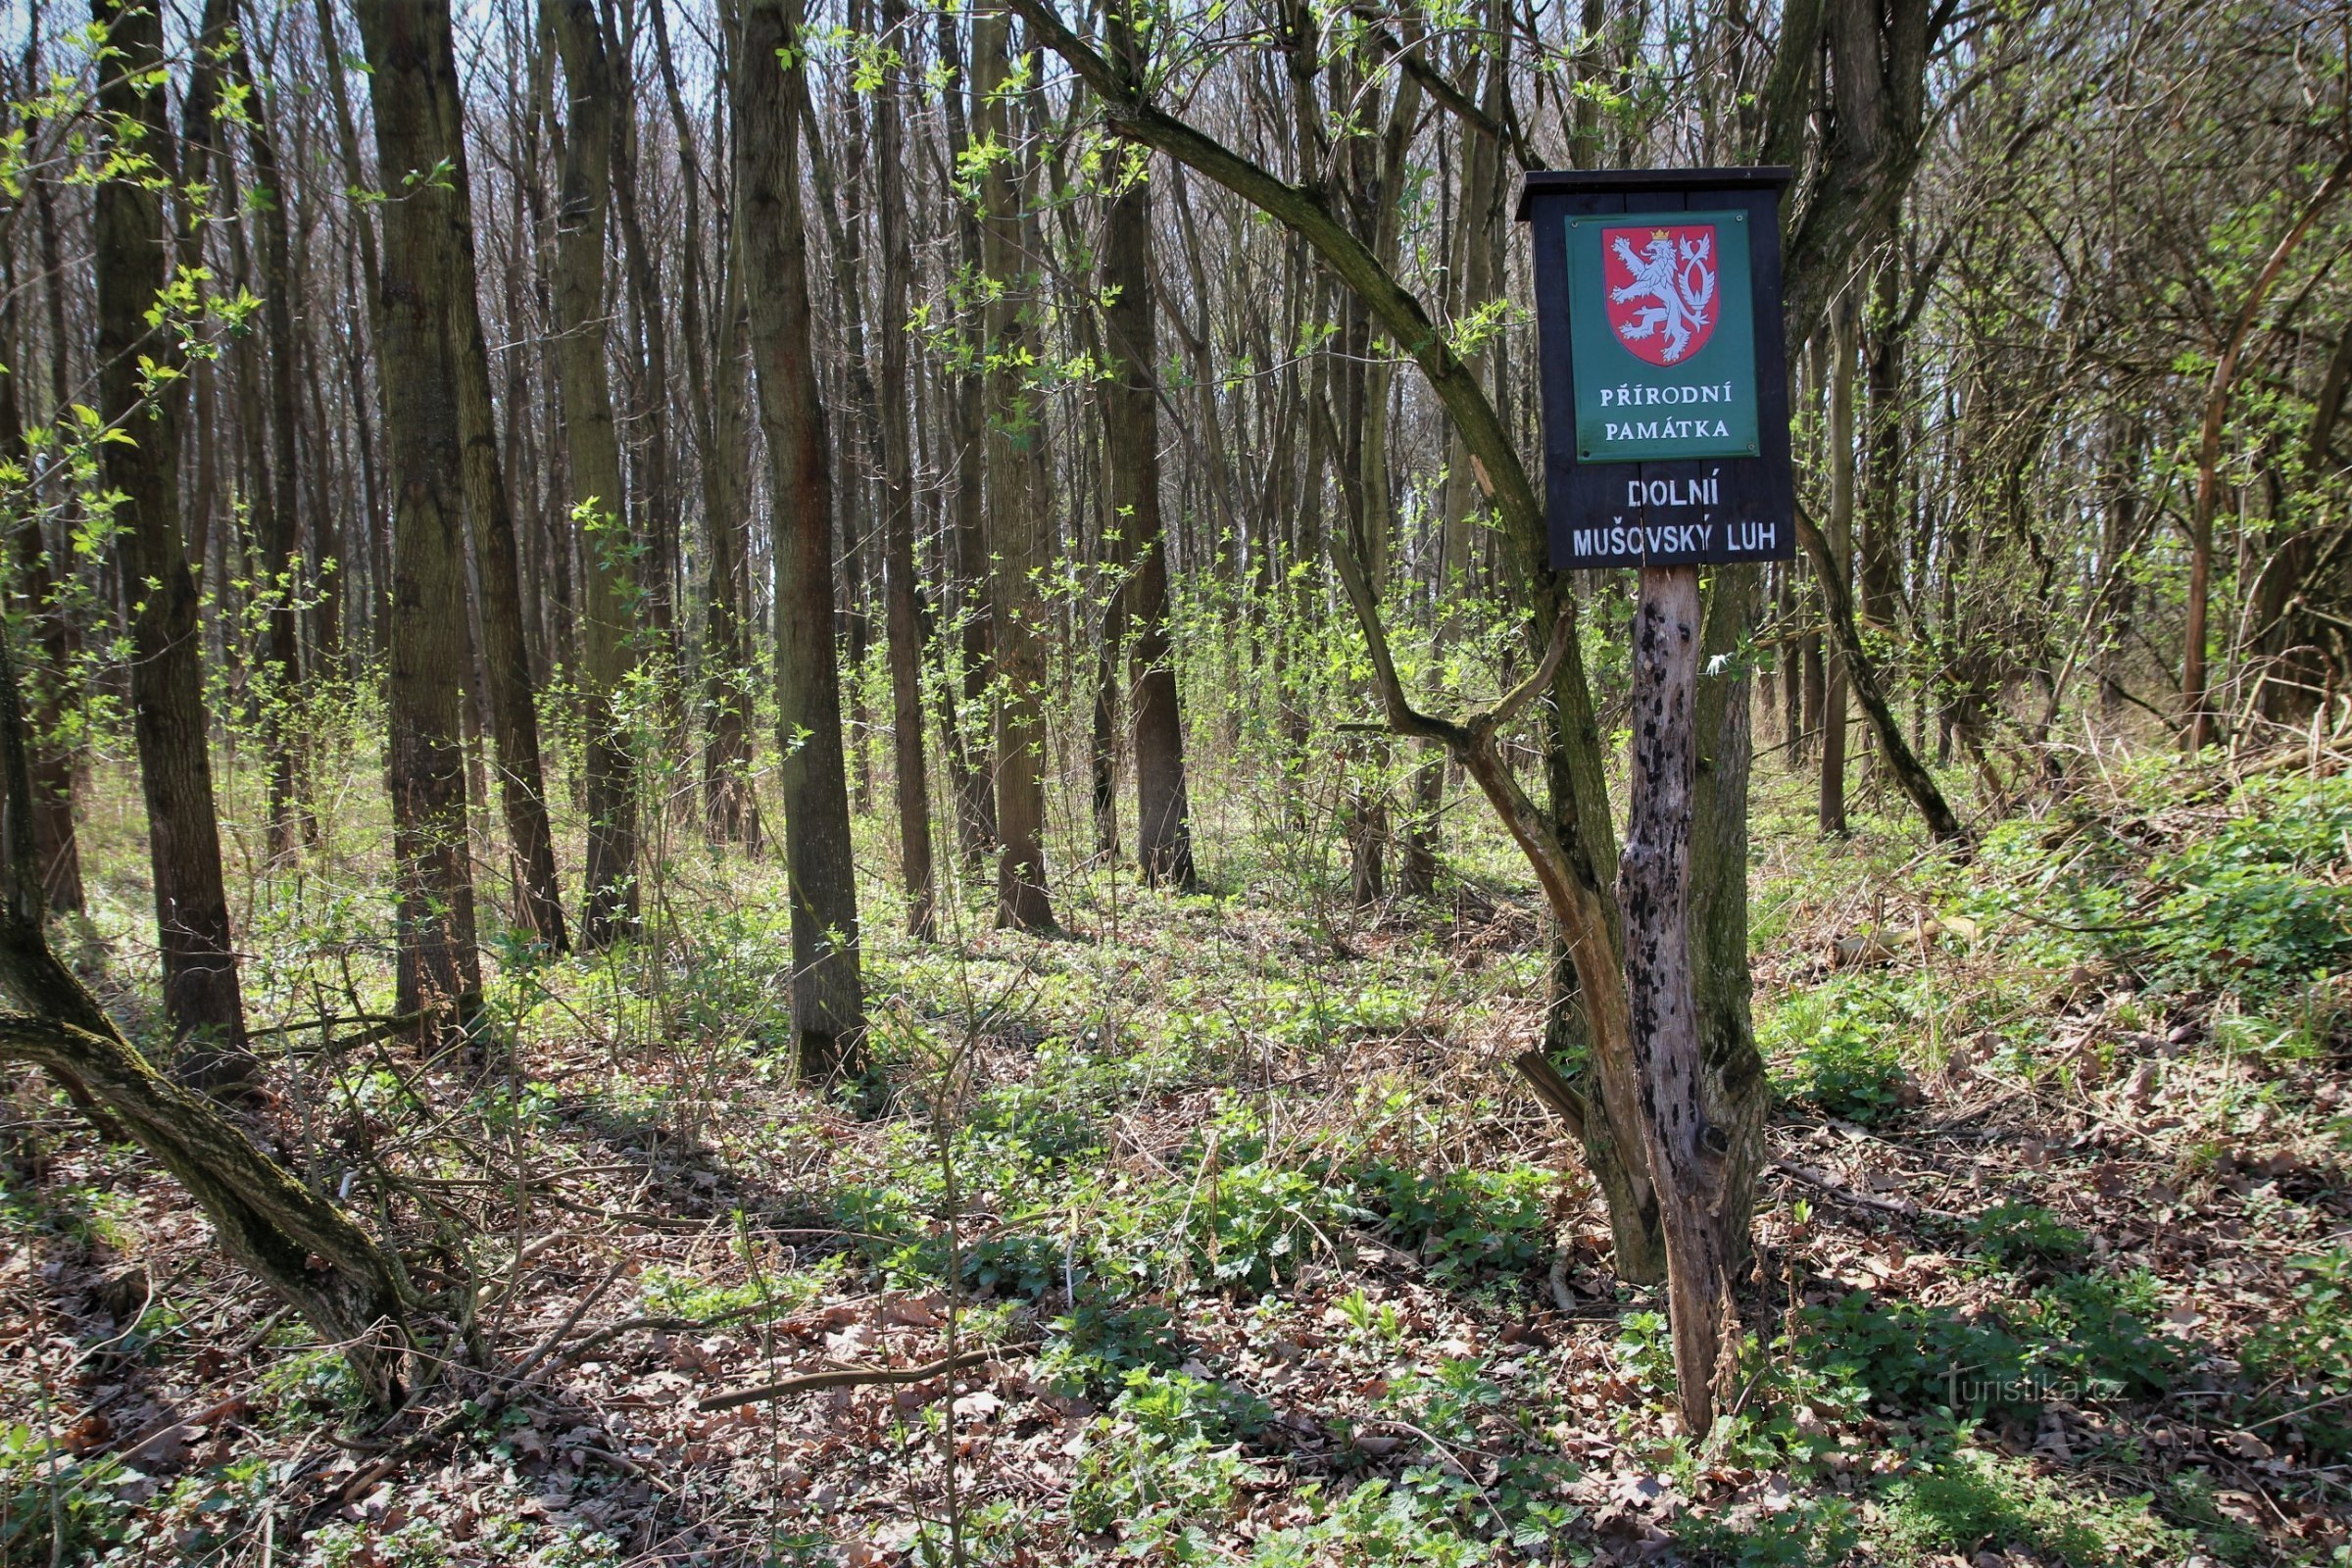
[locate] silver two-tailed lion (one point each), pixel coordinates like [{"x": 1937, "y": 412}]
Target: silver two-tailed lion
[{"x": 1680, "y": 277}]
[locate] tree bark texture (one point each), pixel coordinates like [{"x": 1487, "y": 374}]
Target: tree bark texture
[
  {"x": 497, "y": 552},
  {"x": 201, "y": 993},
  {"x": 1163, "y": 832},
  {"x": 612, "y": 598},
  {"x": 411, "y": 61},
  {"x": 910, "y": 765},
  {"x": 1016, "y": 521},
  {"x": 1686, "y": 1149},
  {"x": 280, "y": 523},
  {"x": 827, "y": 1001},
  {"x": 1840, "y": 438}
]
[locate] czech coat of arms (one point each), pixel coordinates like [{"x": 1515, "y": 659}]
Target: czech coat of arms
[{"x": 1661, "y": 289}]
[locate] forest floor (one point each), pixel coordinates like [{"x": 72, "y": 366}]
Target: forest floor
[{"x": 1270, "y": 1256}]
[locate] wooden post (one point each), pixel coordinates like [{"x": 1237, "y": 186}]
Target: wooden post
[{"x": 1686, "y": 1156}]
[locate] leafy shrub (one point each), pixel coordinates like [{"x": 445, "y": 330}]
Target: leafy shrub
[
  {"x": 2013, "y": 1235},
  {"x": 1031, "y": 1125},
  {"x": 2253, "y": 906},
  {"x": 2095, "y": 1329},
  {"x": 1461, "y": 1221},
  {"x": 52, "y": 1506},
  {"x": 2306, "y": 1360},
  {"x": 2079, "y": 1337},
  {"x": 1095, "y": 1343},
  {"x": 2257, "y": 928},
  {"x": 1379, "y": 1522},
  {"x": 1166, "y": 1460},
  {"x": 1972, "y": 1502},
  {"x": 1256, "y": 1222},
  {"x": 1918, "y": 1357},
  {"x": 1839, "y": 1048},
  {"x": 1809, "y": 1531},
  {"x": 1646, "y": 1349},
  {"x": 1462, "y": 1408}
]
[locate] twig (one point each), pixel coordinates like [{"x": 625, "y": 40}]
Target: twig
[
  {"x": 527, "y": 1372},
  {"x": 1861, "y": 1199},
  {"x": 842, "y": 1377},
  {"x": 570, "y": 1321}
]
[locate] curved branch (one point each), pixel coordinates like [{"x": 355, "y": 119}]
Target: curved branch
[
  {"x": 311, "y": 1252},
  {"x": 1917, "y": 782}
]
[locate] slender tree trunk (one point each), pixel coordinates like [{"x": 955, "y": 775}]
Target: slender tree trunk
[
  {"x": 1163, "y": 831},
  {"x": 655, "y": 490},
  {"x": 413, "y": 86},
  {"x": 201, "y": 994},
  {"x": 280, "y": 523},
  {"x": 505, "y": 657},
  {"x": 49, "y": 768},
  {"x": 611, "y": 601},
  {"x": 2196, "y": 706},
  {"x": 732, "y": 807},
  {"x": 1017, "y": 525},
  {"x": 1840, "y": 440},
  {"x": 968, "y": 754},
  {"x": 1917, "y": 782},
  {"x": 714, "y": 407},
  {"x": 909, "y": 766},
  {"x": 365, "y": 564},
  {"x": 769, "y": 96}
]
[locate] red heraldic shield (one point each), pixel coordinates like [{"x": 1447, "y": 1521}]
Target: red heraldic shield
[{"x": 1661, "y": 289}]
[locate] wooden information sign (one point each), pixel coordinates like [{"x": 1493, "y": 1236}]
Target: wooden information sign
[
  {"x": 1666, "y": 447},
  {"x": 1665, "y": 376}
]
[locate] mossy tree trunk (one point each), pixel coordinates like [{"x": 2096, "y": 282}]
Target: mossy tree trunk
[{"x": 315, "y": 1257}]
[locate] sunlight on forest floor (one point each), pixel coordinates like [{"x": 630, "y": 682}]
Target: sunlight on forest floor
[{"x": 1285, "y": 1264}]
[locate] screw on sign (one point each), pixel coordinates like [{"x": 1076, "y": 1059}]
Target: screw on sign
[{"x": 1666, "y": 445}]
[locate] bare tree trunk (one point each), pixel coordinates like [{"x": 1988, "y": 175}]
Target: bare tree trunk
[
  {"x": 729, "y": 682},
  {"x": 610, "y": 603},
  {"x": 968, "y": 754},
  {"x": 1018, "y": 527},
  {"x": 770, "y": 97},
  {"x": 715, "y": 405},
  {"x": 1163, "y": 832},
  {"x": 290, "y": 819},
  {"x": 1840, "y": 440},
  {"x": 657, "y": 507},
  {"x": 1686, "y": 1149},
  {"x": 413, "y": 85},
  {"x": 909, "y": 766},
  {"x": 56, "y": 848},
  {"x": 506, "y": 655},
  {"x": 360, "y": 583},
  {"x": 201, "y": 994},
  {"x": 2196, "y": 706}
]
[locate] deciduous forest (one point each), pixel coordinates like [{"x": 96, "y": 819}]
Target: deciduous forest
[{"x": 802, "y": 782}]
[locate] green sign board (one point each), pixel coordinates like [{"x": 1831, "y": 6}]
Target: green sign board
[{"x": 1662, "y": 332}]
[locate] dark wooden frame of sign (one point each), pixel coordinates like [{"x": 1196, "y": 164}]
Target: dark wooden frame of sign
[{"x": 1756, "y": 489}]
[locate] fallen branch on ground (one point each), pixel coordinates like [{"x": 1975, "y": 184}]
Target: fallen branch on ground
[
  {"x": 1846, "y": 1194},
  {"x": 843, "y": 1377}
]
